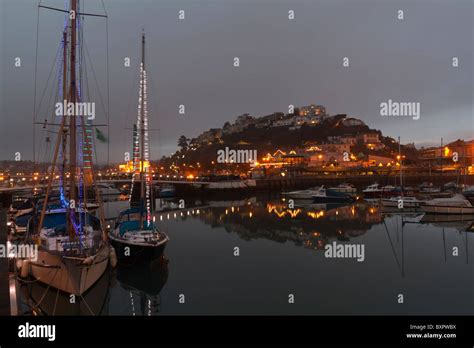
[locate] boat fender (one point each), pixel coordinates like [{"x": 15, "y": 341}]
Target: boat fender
[
  {"x": 19, "y": 263},
  {"x": 25, "y": 268},
  {"x": 113, "y": 257}
]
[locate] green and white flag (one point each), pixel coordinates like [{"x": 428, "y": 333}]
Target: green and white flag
[{"x": 100, "y": 136}]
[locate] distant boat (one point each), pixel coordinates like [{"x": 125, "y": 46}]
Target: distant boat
[
  {"x": 324, "y": 195},
  {"x": 106, "y": 189},
  {"x": 166, "y": 191},
  {"x": 457, "y": 204},
  {"x": 18, "y": 225},
  {"x": 375, "y": 191},
  {"x": 21, "y": 207},
  {"x": 372, "y": 191},
  {"x": 302, "y": 194},
  {"x": 468, "y": 192},
  {"x": 428, "y": 188},
  {"x": 408, "y": 202},
  {"x": 450, "y": 187},
  {"x": 345, "y": 188}
]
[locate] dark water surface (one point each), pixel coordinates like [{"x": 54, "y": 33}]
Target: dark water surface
[{"x": 281, "y": 253}]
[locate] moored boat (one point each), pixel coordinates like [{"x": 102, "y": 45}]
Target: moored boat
[
  {"x": 324, "y": 195},
  {"x": 301, "y": 194},
  {"x": 428, "y": 188},
  {"x": 21, "y": 207},
  {"x": 135, "y": 235},
  {"x": 372, "y": 191},
  {"x": 73, "y": 251},
  {"x": 457, "y": 204},
  {"x": 468, "y": 192},
  {"x": 137, "y": 243},
  {"x": 407, "y": 202},
  {"x": 345, "y": 188},
  {"x": 166, "y": 191}
]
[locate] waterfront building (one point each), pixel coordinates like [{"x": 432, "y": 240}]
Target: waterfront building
[
  {"x": 336, "y": 148},
  {"x": 369, "y": 137},
  {"x": 441, "y": 157}
]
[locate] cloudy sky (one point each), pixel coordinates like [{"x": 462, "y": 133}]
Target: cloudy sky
[{"x": 282, "y": 62}]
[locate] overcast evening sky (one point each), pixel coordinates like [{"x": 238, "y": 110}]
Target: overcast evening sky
[{"x": 282, "y": 62}]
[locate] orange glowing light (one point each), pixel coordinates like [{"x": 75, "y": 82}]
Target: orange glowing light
[{"x": 446, "y": 151}]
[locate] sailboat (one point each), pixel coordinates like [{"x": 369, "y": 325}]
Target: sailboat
[
  {"x": 135, "y": 235},
  {"x": 73, "y": 251}
]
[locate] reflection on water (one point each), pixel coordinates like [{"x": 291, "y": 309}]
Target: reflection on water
[
  {"x": 311, "y": 226},
  {"x": 425, "y": 258},
  {"x": 144, "y": 283}
]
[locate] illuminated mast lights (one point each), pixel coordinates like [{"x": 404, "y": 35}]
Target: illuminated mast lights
[
  {"x": 146, "y": 159},
  {"x": 141, "y": 146}
]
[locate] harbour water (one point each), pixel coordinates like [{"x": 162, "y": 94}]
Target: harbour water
[{"x": 281, "y": 252}]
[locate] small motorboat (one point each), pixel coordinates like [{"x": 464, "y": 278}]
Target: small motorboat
[
  {"x": 457, "y": 204},
  {"x": 345, "y": 188},
  {"x": 21, "y": 207},
  {"x": 468, "y": 192},
  {"x": 19, "y": 225},
  {"x": 428, "y": 188},
  {"x": 302, "y": 194},
  {"x": 372, "y": 191},
  {"x": 390, "y": 191},
  {"x": 106, "y": 189},
  {"x": 324, "y": 195},
  {"x": 450, "y": 187},
  {"x": 167, "y": 191},
  {"x": 408, "y": 202},
  {"x": 375, "y": 191}
]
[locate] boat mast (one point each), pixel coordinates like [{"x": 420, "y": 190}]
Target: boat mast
[
  {"x": 142, "y": 133},
  {"x": 72, "y": 120},
  {"x": 401, "y": 166},
  {"x": 63, "y": 135}
]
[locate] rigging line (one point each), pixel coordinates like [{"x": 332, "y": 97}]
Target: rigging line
[
  {"x": 94, "y": 75},
  {"x": 87, "y": 305},
  {"x": 126, "y": 119},
  {"x": 43, "y": 150},
  {"x": 53, "y": 90},
  {"x": 108, "y": 81},
  {"x": 49, "y": 76},
  {"x": 155, "y": 106},
  {"x": 34, "y": 93}
]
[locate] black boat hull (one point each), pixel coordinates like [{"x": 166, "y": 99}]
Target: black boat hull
[{"x": 136, "y": 254}]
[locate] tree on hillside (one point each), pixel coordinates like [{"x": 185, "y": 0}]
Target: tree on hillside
[{"x": 183, "y": 142}]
